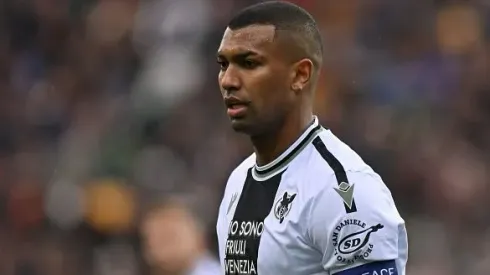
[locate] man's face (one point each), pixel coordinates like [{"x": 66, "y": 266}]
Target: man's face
[{"x": 254, "y": 79}]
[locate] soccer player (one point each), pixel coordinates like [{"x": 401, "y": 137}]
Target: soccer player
[{"x": 304, "y": 203}]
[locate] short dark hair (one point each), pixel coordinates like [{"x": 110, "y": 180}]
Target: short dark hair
[{"x": 287, "y": 17}]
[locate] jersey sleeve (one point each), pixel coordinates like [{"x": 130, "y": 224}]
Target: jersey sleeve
[{"x": 357, "y": 227}]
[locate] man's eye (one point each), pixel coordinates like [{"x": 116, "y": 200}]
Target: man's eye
[
  {"x": 223, "y": 65},
  {"x": 250, "y": 64}
]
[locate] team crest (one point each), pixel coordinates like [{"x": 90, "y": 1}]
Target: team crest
[{"x": 283, "y": 206}]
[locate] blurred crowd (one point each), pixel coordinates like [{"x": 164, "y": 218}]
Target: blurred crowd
[{"x": 110, "y": 110}]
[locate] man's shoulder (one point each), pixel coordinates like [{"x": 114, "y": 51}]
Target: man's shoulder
[
  {"x": 240, "y": 172},
  {"x": 347, "y": 190},
  {"x": 336, "y": 173},
  {"x": 235, "y": 183},
  {"x": 336, "y": 154},
  {"x": 329, "y": 160}
]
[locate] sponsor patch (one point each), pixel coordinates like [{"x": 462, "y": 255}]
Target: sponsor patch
[{"x": 351, "y": 240}]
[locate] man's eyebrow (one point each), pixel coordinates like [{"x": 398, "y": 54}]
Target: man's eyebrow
[{"x": 240, "y": 55}]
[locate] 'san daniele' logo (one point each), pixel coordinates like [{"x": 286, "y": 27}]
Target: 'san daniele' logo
[
  {"x": 283, "y": 206},
  {"x": 355, "y": 244}
]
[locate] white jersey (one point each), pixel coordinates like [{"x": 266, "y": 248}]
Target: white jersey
[
  {"x": 206, "y": 265},
  {"x": 316, "y": 209}
]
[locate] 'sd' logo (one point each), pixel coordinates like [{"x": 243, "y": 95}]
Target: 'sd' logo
[
  {"x": 355, "y": 241},
  {"x": 351, "y": 239},
  {"x": 283, "y": 206}
]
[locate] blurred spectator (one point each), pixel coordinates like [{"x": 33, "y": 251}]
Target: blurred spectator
[{"x": 174, "y": 241}]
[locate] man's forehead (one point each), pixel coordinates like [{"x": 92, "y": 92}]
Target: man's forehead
[{"x": 251, "y": 38}]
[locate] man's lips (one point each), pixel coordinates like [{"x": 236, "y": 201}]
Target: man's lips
[{"x": 235, "y": 106}]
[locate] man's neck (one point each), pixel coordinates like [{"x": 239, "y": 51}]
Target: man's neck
[{"x": 270, "y": 146}]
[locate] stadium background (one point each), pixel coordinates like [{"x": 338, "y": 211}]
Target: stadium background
[{"x": 109, "y": 105}]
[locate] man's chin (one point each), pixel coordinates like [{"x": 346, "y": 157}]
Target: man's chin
[{"x": 240, "y": 125}]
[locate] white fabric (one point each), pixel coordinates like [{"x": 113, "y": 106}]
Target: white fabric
[{"x": 312, "y": 236}]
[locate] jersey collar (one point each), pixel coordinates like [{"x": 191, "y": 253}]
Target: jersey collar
[{"x": 262, "y": 173}]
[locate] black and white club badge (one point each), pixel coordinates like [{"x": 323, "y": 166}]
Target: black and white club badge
[
  {"x": 283, "y": 206},
  {"x": 351, "y": 240}
]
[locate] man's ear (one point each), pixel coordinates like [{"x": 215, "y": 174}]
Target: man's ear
[{"x": 301, "y": 74}]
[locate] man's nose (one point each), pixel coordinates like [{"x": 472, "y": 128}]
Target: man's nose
[{"x": 230, "y": 80}]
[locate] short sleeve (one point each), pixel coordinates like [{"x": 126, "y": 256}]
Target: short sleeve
[{"x": 357, "y": 223}]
